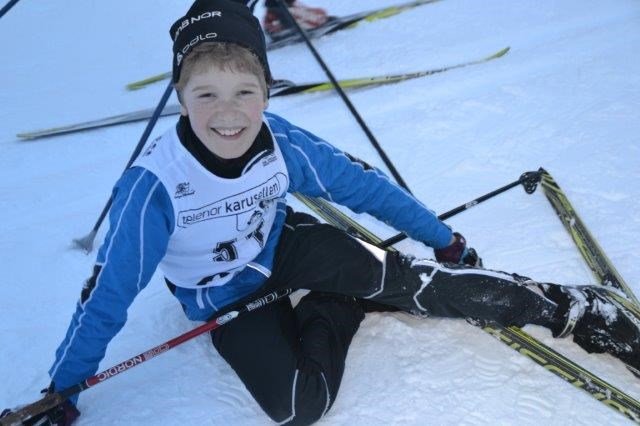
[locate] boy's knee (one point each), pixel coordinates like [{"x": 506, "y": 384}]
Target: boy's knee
[{"x": 305, "y": 403}]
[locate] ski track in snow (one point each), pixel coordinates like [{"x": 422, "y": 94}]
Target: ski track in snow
[{"x": 565, "y": 97}]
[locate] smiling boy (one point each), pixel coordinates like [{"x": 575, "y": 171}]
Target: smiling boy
[
  {"x": 205, "y": 203},
  {"x": 224, "y": 106}
]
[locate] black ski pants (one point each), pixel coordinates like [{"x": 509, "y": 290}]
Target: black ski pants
[{"x": 292, "y": 359}]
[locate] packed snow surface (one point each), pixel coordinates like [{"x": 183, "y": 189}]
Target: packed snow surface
[{"x": 566, "y": 97}]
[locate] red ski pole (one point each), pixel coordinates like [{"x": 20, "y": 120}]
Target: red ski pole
[{"x": 55, "y": 398}]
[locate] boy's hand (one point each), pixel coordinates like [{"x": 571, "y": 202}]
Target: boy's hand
[{"x": 457, "y": 252}]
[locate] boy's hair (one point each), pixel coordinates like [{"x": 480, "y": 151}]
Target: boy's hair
[
  {"x": 220, "y": 21},
  {"x": 224, "y": 56}
]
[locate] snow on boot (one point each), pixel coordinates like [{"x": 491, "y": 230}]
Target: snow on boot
[{"x": 598, "y": 322}]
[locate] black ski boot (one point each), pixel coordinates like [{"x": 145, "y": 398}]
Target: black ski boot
[{"x": 600, "y": 321}]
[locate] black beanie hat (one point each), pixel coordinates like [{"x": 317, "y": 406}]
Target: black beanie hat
[{"x": 221, "y": 21}]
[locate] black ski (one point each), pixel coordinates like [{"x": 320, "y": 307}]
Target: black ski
[
  {"x": 280, "y": 88},
  {"x": 513, "y": 337},
  {"x": 594, "y": 256},
  {"x": 332, "y": 26}
]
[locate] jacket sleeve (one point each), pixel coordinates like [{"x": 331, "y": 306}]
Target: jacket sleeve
[
  {"x": 319, "y": 169},
  {"x": 141, "y": 221}
]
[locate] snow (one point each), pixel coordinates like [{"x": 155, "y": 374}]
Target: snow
[{"x": 566, "y": 97}]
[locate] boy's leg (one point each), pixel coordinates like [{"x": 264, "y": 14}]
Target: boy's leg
[
  {"x": 322, "y": 258},
  {"x": 597, "y": 325},
  {"x": 292, "y": 361},
  {"x": 459, "y": 291}
]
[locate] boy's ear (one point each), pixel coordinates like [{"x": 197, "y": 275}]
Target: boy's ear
[{"x": 183, "y": 110}]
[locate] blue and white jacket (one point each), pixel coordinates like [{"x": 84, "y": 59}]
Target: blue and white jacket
[{"x": 148, "y": 229}]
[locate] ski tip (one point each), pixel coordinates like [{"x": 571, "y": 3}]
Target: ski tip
[
  {"x": 136, "y": 85},
  {"x": 502, "y": 52},
  {"x": 25, "y": 136},
  {"x": 29, "y": 136}
]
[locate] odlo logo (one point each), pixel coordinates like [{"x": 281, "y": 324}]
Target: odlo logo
[{"x": 195, "y": 41}]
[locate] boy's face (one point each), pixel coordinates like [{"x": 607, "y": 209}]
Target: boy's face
[{"x": 225, "y": 110}]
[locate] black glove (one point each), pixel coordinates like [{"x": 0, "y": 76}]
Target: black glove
[
  {"x": 458, "y": 253},
  {"x": 63, "y": 414}
]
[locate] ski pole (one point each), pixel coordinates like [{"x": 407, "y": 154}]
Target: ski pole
[
  {"x": 344, "y": 97},
  {"x": 86, "y": 243},
  {"x": 55, "y": 398},
  {"x": 7, "y": 6},
  {"x": 529, "y": 180}
]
